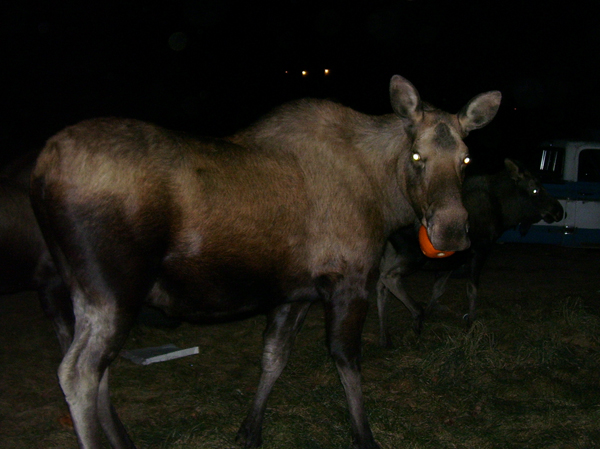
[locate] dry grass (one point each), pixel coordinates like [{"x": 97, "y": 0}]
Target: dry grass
[{"x": 527, "y": 375}]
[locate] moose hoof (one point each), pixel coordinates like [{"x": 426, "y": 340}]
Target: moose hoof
[
  {"x": 248, "y": 438},
  {"x": 386, "y": 342},
  {"x": 469, "y": 319},
  {"x": 366, "y": 445},
  {"x": 418, "y": 324}
]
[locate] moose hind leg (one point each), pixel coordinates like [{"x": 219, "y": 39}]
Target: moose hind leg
[
  {"x": 109, "y": 420},
  {"x": 283, "y": 325},
  {"x": 79, "y": 383},
  {"x": 57, "y": 305},
  {"x": 56, "y": 301},
  {"x": 83, "y": 377},
  {"x": 345, "y": 314}
]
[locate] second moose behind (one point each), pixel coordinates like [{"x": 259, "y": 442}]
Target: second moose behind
[{"x": 495, "y": 203}]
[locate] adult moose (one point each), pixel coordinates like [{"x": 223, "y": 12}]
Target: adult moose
[
  {"x": 495, "y": 203},
  {"x": 297, "y": 208}
]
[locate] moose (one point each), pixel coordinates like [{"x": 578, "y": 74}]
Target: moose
[
  {"x": 289, "y": 211},
  {"x": 25, "y": 263},
  {"x": 495, "y": 203}
]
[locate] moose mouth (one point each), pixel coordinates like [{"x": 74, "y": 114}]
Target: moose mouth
[
  {"x": 555, "y": 214},
  {"x": 447, "y": 238},
  {"x": 553, "y": 217}
]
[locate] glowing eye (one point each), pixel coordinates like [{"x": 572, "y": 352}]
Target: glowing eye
[
  {"x": 535, "y": 191},
  {"x": 416, "y": 157},
  {"x": 466, "y": 160}
]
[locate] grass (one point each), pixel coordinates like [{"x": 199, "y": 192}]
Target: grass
[{"x": 526, "y": 375}]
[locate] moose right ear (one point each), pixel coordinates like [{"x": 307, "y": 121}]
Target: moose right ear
[
  {"x": 479, "y": 111},
  {"x": 405, "y": 99}
]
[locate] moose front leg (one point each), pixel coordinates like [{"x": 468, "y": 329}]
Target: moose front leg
[
  {"x": 476, "y": 264},
  {"x": 391, "y": 284},
  {"x": 392, "y": 266},
  {"x": 283, "y": 325},
  {"x": 344, "y": 320}
]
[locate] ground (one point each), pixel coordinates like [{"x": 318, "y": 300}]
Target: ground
[{"x": 527, "y": 375}]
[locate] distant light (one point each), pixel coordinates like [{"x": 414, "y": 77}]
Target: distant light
[
  {"x": 326, "y": 71},
  {"x": 304, "y": 73}
]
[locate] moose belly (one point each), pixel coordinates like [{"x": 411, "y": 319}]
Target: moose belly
[{"x": 225, "y": 292}]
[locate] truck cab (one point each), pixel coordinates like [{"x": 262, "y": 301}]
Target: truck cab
[{"x": 570, "y": 171}]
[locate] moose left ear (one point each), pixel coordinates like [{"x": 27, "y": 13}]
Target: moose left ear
[
  {"x": 405, "y": 99},
  {"x": 479, "y": 111},
  {"x": 513, "y": 168}
]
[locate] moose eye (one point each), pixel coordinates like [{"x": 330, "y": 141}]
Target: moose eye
[
  {"x": 467, "y": 160},
  {"x": 535, "y": 191},
  {"x": 416, "y": 157}
]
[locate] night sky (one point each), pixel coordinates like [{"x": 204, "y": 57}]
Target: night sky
[{"x": 212, "y": 66}]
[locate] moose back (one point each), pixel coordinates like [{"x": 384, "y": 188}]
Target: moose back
[{"x": 296, "y": 208}]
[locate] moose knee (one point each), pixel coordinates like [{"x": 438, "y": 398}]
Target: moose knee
[{"x": 345, "y": 322}]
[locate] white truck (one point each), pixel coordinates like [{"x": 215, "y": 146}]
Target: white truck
[{"x": 570, "y": 171}]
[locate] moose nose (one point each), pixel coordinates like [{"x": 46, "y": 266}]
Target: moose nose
[
  {"x": 447, "y": 229},
  {"x": 559, "y": 212}
]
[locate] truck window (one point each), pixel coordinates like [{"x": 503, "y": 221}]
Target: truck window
[
  {"x": 551, "y": 164},
  {"x": 589, "y": 166}
]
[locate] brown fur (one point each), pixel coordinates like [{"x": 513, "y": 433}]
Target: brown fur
[{"x": 294, "y": 209}]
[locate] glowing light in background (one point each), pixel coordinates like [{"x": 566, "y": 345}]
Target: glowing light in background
[{"x": 308, "y": 73}]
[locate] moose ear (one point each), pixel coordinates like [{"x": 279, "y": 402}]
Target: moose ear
[
  {"x": 479, "y": 111},
  {"x": 405, "y": 99},
  {"x": 513, "y": 169}
]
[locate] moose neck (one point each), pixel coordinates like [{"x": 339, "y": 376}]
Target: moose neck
[
  {"x": 383, "y": 142},
  {"x": 331, "y": 141}
]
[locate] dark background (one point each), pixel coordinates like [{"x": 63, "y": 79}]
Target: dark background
[{"x": 213, "y": 66}]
